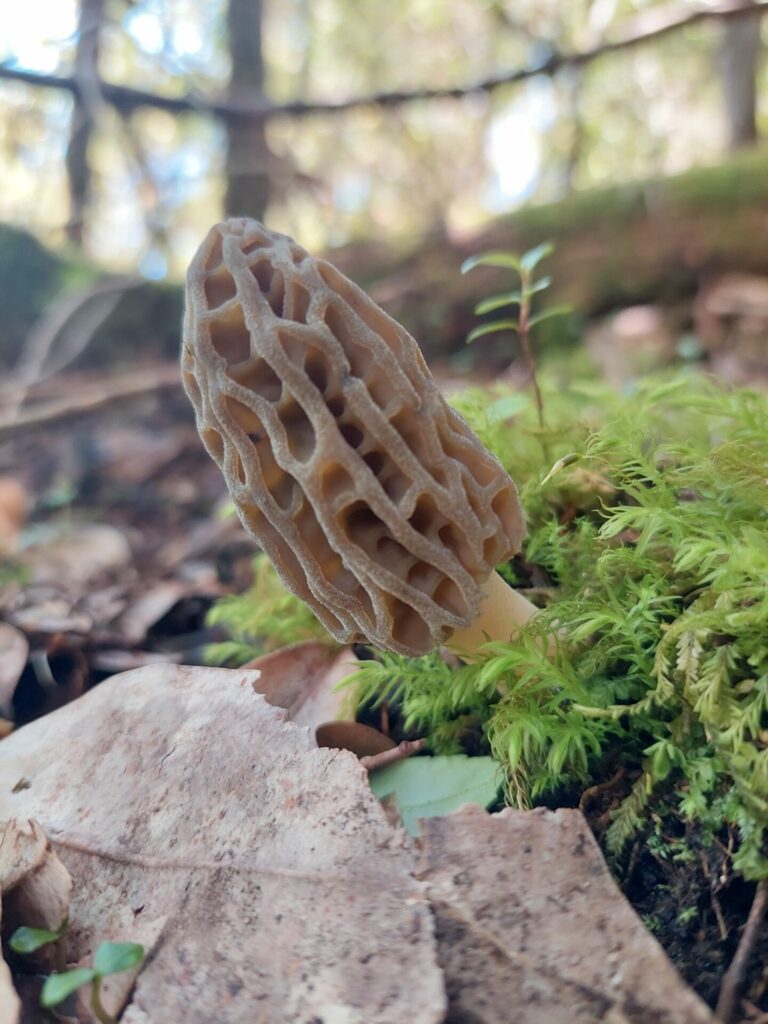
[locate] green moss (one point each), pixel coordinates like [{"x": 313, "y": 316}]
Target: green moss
[
  {"x": 740, "y": 181},
  {"x": 653, "y": 545},
  {"x": 263, "y": 618}
]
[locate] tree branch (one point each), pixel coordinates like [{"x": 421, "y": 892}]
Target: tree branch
[{"x": 653, "y": 25}]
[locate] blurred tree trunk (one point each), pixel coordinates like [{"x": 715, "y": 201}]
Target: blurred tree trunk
[
  {"x": 739, "y": 59},
  {"x": 81, "y": 129},
  {"x": 248, "y": 184}
]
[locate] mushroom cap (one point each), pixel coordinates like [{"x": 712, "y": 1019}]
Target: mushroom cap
[{"x": 374, "y": 500}]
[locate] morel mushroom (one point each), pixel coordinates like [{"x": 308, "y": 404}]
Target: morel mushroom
[{"x": 376, "y": 503}]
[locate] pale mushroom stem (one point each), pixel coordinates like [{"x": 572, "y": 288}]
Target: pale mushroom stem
[{"x": 503, "y": 611}]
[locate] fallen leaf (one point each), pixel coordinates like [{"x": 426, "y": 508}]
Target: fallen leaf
[
  {"x": 77, "y": 555},
  {"x": 14, "y": 650},
  {"x": 35, "y": 885},
  {"x": 427, "y": 786},
  {"x": 149, "y": 608},
  {"x": 277, "y": 890},
  {"x": 528, "y": 916},
  {"x": 362, "y": 740},
  {"x": 303, "y": 679}
]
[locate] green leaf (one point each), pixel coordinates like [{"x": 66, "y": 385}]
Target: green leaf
[
  {"x": 545, "y": 314},
  {"x": 427, "y": 787},
  {"x": 506, "y": 407},
  {"x": 113, "y": 957},
  {"x": 497, "y": 301},
  {"x": 499, "y": 325},
  {"x": 538, "y": 286},
  {"x": 534, "y": 256},
  {"x": 27, "y": 940},
  {"x": 507, "y": 260},
  {"x": 58, "y": 986}
]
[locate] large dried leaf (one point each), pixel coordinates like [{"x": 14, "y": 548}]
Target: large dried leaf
[
  {"x": 261, "y": 867},
  {"x": 532, "y": 928}
]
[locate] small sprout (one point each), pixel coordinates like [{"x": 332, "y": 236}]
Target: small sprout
[
  {"x": 29, "y": 940},
  {"x": 566, "y": 460},
  {"x": 110, "y": 958},
  {"x": 519, "y": 299},
  {"x": 114, "y": 957},
  {"x": 58, "y": 986}
]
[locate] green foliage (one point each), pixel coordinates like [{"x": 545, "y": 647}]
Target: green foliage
[
  {"x": 29, "y": 940},
  {"x": 263, "y": 618},
  {"x": 650, "y": 531},
  {"x": 427, "y": 787},
  {"x": 57, "y": 987},
  {"x": 521, "y": 318},
  {"x": 520, "y": 298},
  {"x": 110, "y": 958}
]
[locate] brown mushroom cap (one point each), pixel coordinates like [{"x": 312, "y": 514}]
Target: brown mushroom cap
[{"x": 376, "y": 503}]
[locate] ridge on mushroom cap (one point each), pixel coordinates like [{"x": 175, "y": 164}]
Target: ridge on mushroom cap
[{"x": 376, "y": 503}]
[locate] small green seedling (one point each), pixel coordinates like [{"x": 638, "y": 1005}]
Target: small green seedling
[
  {"x": 520, "y": 299},
  {"x": 29, "y": 940},
  {"x": 110, "y": 958}
]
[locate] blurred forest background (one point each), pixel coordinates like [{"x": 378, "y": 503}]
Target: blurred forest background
[
  {"x": 403, "y": 136},
  {"x": 129, "y": 126}
]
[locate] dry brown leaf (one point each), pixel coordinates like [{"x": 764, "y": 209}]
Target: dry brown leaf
[
  {"x": 78, "y": 555},
  {"x": 532, "y": 928},
  {"x": 192, "y": 811},
  {"x": 362, "y": 740},
  {"x": 14, "y": 650},
  {"x": 303, "y": 680},
  {"x": 35, "y": 885},
  {"x": 149, "y": 607}
]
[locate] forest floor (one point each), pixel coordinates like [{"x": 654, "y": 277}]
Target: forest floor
[{"x": 116, "y": 541}]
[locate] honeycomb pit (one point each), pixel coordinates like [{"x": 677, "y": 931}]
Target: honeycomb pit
[{"x": 374, "y": 500}]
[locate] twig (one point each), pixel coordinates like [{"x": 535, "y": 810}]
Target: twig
[
  {"x": 734, "y": 977},
  {"x": 105, "y": 393},
  {"x": 34, "y": 364},
  {"x": 398, "y": 753},
  {"x": 591, "y": 792},
  {"x": 661, "y": 23},
  {"x": 718, "y": 910}
]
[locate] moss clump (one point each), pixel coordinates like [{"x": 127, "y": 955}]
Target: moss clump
[
  {"x": 650, "y": 545},
  {"x": 263, "y": 618}
]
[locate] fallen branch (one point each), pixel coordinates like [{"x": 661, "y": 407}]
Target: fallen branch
[
  {"x": 88, "y": 309},
  {"x": 653, "y": 25},
  {"x": 103, "y": 393},
  {"x": 386, "y": 757},
  {"x": 733, "y": 979}
]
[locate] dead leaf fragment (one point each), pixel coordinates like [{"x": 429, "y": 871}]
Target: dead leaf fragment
[
  {"x": 303, "y": 680},
  {"x": 362, "y": 740},
  {"x": 528, "y": 917},
  {"x": 35, "y": 885},
  {"x": 78, "y": 555},
  {"x": 10, "y": 1004},
  {"x": 14, "y": 650},
  {"x": 278, "y": 891}
]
